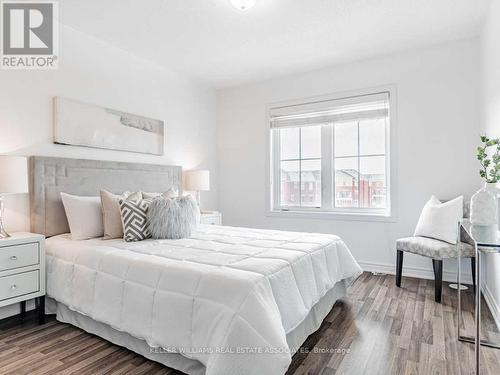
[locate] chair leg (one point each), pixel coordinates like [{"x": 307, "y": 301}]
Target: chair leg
[
  {"x": 399, "y": 267},
  {"x": 438, "y": 278},
  {"x": 473, "y": 269}
]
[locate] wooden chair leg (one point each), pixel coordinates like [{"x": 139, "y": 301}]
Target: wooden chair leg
[
  {"x": 399, "y": 267},
  {"x": 437, "y": 264},
  {"x": 473, "y": 269}
]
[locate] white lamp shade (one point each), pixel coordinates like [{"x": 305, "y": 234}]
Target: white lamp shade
[
  {"x": 198, "y": 180},
  {"x": 13, "y": 174}
]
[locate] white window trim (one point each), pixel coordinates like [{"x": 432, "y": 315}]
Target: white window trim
[{"x": 358, "y": 214}]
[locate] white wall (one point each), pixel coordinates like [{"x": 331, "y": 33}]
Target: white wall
[
  {"x": 436, "y": 137},
  {"x": 95, "y": 72},
  {"x": 490, "y": 124}
]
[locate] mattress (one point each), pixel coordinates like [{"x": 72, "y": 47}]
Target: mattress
[{"x": 226, "y": 297}]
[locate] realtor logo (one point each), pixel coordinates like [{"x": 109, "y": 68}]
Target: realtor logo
[{"x": 29, "y": 35}]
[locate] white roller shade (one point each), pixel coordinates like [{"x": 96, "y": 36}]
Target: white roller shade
[{"x": 345, "y": 109}]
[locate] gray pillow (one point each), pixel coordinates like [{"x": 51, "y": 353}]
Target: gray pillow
[{"x": 172, "y": 218}]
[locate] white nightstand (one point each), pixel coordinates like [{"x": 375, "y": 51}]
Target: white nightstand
[
  {"x": 211, "y": 217},
  {"x": 22, "y": 271}
]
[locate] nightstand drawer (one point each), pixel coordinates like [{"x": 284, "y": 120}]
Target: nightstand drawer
[
  {"x": 211, "y": 220},
  {"x": 19, "y": 284},
  {"x": 18, "y": 256}
]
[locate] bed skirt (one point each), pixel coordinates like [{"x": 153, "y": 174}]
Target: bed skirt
[{"x": 294, "y": 338}]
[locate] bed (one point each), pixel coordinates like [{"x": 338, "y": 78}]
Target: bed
[{"x": 227, "y": 300}]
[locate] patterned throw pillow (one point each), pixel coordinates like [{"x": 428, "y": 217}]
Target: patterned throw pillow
[
  {"x": 134, "y": 219},
  {"x": 111, "y": 215}
]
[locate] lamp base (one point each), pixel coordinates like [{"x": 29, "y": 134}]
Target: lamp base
[
  {"x": 198, "y": 199},
  {"x": 3, "y": 232}
]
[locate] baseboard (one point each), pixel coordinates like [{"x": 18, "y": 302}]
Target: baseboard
[
  {"x": 492, "y": 304},
  {"x": 15, "y": 309},
  {"x": 418, "y": 272}
]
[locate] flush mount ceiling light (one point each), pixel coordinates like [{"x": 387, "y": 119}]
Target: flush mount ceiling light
[{"x": 243, "y": 4}]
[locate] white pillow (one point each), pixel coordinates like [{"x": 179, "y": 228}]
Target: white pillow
[
  {"x": 440, "y": 220},
  {"x": 170, "y": 193},
  {"x": 84, "y": 216}
]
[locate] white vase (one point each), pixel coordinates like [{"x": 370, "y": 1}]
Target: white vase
[{"x": 484, "y": 205}]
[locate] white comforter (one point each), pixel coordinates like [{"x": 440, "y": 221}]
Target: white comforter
[{"x": 226, "y": 297}]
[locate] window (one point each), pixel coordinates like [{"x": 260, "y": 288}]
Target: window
[{"x": 332, "y": 155}]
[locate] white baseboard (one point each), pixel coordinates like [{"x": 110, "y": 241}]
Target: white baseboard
[
  {"x": 418, "y": 272},
  {"x": 15, "y": 309},
  {"x": 492, "y": 304}
]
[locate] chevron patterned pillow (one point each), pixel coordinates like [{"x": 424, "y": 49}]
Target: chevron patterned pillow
[{"x": 134, "y": 219}]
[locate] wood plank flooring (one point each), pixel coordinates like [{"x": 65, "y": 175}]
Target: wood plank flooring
[{"x": 378, "y": 329}]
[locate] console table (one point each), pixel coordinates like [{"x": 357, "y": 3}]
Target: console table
[{"x": 486, "y": 240}]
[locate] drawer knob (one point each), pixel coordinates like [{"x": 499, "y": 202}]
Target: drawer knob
[
  {"x": 13, "y": 257},
  {"x": 13, "y": 287}
]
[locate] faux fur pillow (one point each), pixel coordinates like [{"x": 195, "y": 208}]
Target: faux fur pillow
[{"x": 172, "y": 218}]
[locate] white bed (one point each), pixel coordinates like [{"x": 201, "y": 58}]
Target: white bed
[
  {"x": 225, "y": 301},
  {"x": 209, "y": 304}
]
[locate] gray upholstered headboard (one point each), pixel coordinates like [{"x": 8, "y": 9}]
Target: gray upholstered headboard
[{"x": 50, "y": 176}]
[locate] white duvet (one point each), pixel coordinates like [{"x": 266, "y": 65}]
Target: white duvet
[{"x": 226, "y": 297}]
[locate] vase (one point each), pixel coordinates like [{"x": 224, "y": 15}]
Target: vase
[{"x": 484, "y": 205}]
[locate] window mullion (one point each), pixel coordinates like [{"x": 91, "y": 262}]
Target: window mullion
[
  {"x": 276, "y": 173},
  {"x": 300, "y": 167},
  {"x": 326, "y": 166},
  {"x": 333, "y": 183},
  {"x": 359, "y": 172}
]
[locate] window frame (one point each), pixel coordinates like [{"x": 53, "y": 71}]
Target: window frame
[{"x": 273, "y": 208}]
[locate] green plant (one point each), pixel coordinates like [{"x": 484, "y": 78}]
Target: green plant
[{"x": 490, "y": 167}]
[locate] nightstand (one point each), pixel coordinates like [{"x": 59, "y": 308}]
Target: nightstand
[
  {"x": 22, "y": 271},
  {"x": 211, "y": 217}
]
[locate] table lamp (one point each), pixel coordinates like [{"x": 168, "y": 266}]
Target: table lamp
[
  {"x": 197, "y": 180},
  {"x": 13, "y": 180}
]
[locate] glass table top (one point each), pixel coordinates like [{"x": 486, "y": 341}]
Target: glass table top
[{"x": 483, "y": 235}]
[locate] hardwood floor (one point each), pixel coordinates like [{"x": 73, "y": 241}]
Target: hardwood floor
[
  {"x": 378, "y": 329},
  {"x": 392, "y": 330}
]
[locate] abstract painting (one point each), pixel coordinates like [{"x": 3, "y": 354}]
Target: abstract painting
[{"x": 81, "y": 124}]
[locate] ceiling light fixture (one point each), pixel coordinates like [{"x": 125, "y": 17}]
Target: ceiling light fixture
[{"x": 243, "y": 4}]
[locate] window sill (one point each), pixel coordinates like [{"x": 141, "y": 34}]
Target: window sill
[{"x": 339, "y": 216}]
